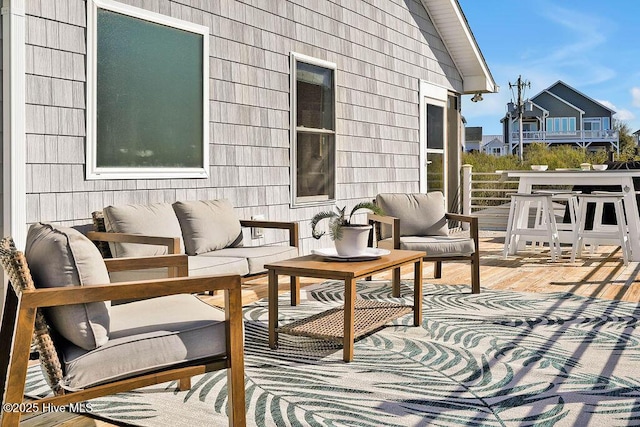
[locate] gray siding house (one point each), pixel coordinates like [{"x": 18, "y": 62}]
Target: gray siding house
[
  {"x": 561, "y": 114},
  {"x": 283, "y": 107}
]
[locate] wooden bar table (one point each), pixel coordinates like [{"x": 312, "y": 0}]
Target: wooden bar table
[{"x": 357, "y": 318}]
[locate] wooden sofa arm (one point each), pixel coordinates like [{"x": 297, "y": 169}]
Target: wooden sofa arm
[
  {"x": 291, "y": 226},
  {"x": 51, "y": 297},
  {"x": 177, "y": 264},
  {"x": 172, "y": 243}
]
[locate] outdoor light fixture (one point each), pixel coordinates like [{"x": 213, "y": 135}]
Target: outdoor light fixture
[{"x": 477, "y": 97}]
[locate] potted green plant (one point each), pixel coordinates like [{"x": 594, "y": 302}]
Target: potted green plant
[{"x": 350, "y": 239}]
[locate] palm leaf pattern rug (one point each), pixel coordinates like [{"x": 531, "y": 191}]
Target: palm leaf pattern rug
[{"x": 498, "y": 358}]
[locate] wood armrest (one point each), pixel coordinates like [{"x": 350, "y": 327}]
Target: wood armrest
[
  {"x": 394, "y": 222},
  {"x": 50, "y": 297},
  {"x": 172, "y": 243},
  {"x": 291, "y": 226},
  {"x": 473, "y": 226},
  {"x": 175, "y": 261},
  {"x": 383, "y": 219}
]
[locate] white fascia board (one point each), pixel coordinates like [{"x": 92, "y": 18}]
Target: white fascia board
[{"x": 14, "y": 121}]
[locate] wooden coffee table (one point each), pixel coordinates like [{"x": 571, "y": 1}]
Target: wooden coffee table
[{"x": 356, "y": 319}]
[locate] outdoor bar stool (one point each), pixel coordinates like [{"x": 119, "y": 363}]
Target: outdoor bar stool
[
  {"x": 565, "y": 229},
  {"x": 518, "y": 223},
  {"x": 599, "y": 233}
]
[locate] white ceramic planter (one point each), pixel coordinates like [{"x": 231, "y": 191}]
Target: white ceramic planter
[{"x": 354, "y": 240}]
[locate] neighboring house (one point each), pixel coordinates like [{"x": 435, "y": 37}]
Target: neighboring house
[
  {"x": 636, "y": 136},
  {"x": 473, "y": 138},
  {"x": 561, "y": 114},
  {"x": 494, "y": 145},
  {"x": 283, "y": 107}
]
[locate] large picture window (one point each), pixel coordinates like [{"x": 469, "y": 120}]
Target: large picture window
[
  {"x": 561, "y": 125},
  {"x": 147, "y": 94},
  {"x": 313, "y": 130}
]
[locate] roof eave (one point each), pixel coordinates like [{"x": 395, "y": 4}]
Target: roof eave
[{"x": 450, "y": 22}]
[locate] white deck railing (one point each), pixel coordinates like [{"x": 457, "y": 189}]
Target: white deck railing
[
  {"x": 487, "y": 196},
  {"x": 577, "y": 136}
]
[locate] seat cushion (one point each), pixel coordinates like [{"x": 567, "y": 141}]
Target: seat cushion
[
  {"x": 199, "y": 265},
  {"x": 208, "y": 225},
  {"x": 207, "y": 265},
  {"x": 148, "y": 335},
  {"x": 257, "y": 256},
  {"x": 61, "y": 257},
  {"x": 419, "y": 214},
  {"x": 156, "y": 219},
  {"x": 438, "y": 246}
]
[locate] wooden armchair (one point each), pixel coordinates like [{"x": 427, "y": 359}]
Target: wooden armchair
[
  {"x": 419, "y": 222},
  {"x": 26, "y": 320}
]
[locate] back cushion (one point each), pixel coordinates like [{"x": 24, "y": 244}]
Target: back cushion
[
  {"x": 208, "y": 225},
  {"x": 59, "y": 257},
  {"x": 157, "y": 219},
  {"x": 419, "y": 214}
]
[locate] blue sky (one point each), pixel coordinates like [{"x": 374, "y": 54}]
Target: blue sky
[{"x": 591, "y": 45}]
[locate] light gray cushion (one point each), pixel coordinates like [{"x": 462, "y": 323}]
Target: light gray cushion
[
  {"x": 148, "y": 335},
  {"x": 419, "y": 214},
  {"x": 257, "y": 256},
  {"x": 156, "y": 219},
  {"x": 61, "y": 257},
  {"x": 208, "y": 225},
  {"x": 205, "y": 265},
  {"x": 438, "y": 246},
  {"x": 199, "y": 265}
]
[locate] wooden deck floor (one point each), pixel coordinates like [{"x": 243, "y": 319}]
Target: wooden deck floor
[
  {"x": 601, "y": 275},
  {"x": 598, "y": 275}
]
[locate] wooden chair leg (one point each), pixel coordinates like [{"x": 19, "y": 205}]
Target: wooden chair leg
[
  {"x": 17, "y": 376},
  {"x": 437, "y": 270},
  {"x": 235, "y": 356},
  {"x": 184, "y": 384},
  {"x": 475, "y": 274},
  {"x": 6, "y": 336}
]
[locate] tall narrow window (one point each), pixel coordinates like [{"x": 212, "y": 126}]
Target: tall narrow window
[
  {"x": 435, "y": 147},
  {"x": 313, "y": 130},
  {"x": 147, "y": 94}
]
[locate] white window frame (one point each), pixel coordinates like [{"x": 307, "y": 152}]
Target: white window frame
[
  {"x": 93, "y": 172},
  {"x": 304, "y": 201},
  {"x": 561, "y": 122},
  {"x": 435, "y": 95}
]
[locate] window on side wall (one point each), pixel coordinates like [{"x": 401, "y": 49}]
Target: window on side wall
[
  {"x": 313, "y": 130},
  {"x": 147, "y": 94}
]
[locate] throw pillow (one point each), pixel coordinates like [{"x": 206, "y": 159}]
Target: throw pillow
[
  {"x": 59, "y": 257},
  {"x": 420, "y": 214},
  {"x": 208, "y": 225},
  {"x": 156, "y": 219}
]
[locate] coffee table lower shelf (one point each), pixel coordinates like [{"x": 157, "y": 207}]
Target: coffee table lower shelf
[{"x": 329, "y": 325}]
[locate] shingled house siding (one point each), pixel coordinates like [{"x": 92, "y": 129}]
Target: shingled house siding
[{"x": 381, "y": 47}]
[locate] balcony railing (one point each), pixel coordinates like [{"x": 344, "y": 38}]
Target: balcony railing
[{"x": 583, "y": 136}]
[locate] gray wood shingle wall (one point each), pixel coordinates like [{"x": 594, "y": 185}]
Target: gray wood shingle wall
[{"x": 381, "y": 47}]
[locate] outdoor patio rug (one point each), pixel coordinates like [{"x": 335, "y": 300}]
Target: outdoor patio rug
[{"x": 499, "y": 358}]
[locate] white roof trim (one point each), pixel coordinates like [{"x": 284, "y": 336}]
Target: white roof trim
[
  {"x": 562, "y": 100},
  {"x": 580, "y": 93},
  {"x": 455, "y": 33}
]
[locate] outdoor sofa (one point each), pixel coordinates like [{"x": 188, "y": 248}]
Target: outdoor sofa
[{"x": 208, "y": 231}]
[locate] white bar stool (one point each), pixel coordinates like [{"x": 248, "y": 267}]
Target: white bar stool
[
  {"x": 601, "y": 233},
  {"x": 568, "y": 197},
  {"x": 518, "y": 223}
]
